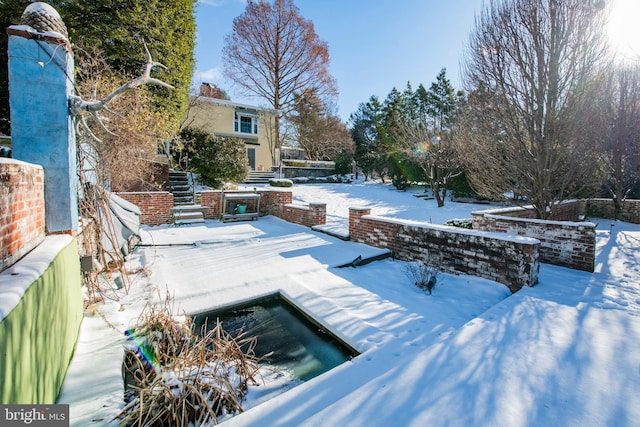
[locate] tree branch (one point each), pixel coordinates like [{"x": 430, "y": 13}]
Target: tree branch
[{"x": 80, "y": 107}]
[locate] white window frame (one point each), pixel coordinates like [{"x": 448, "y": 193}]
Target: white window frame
[{"x": 237, "y": 123}]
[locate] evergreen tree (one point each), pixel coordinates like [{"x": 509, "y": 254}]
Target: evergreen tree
[
  {"x": 116, "y": 28},
  {"x": 10, "y": 13},
  {"x": 410, "y": 101},
  {"x": 422, "y": 100},
  {"x": 366, "y": 130},
  {"x": 441, "y": 103}
]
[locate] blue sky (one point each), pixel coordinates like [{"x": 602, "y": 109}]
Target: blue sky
[{"x": 374, "y": 45}]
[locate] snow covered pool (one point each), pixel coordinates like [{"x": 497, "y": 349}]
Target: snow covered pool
[{"x": 287, "y": 339}]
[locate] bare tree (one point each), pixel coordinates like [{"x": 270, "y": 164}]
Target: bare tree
[
  {"x": 274, "y": 53},
  {"x": 110, "y": 161},
  {"x": 319, "y": 132},
  {"x": 268, "y": 124},
  {"x": 434, "y": 153},
  {"x": 622, "y": 159},
  {"x": 527, "y": 71},
  {"x": 123, "y": 142}
]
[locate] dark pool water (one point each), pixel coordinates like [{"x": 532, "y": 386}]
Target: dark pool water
[{"x": 287, "y": 339}]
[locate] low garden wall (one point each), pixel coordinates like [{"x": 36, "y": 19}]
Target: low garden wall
[
  {"x": 22, "y": 209},
  {"x": 510, "y": 260},
  {"x": 41, "y": 305},
  {"x": 565, "y": 243},
  {"x": 313, "y": 172},
  {"x": 41, "y": 309},
  {"x": 313, "y": 214},
  {"x": 271, "y": 202},
  {"x": 604, "y": 208},
  {"x": 155, "y": 206}
]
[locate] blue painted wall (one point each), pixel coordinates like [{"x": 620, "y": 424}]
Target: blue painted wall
[{"x": 40, "y": 82}]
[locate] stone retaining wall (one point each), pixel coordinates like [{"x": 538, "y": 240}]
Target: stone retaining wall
[
  {"x": 603, "y": 208},
  {"x": 510, "y": 260},
  {"x": 565, "y": 243}
]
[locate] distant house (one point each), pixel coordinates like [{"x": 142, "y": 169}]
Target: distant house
[{"x": 254, "y": 125}]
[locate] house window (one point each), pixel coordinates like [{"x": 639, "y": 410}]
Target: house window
[{"x": 245, "y": 124}]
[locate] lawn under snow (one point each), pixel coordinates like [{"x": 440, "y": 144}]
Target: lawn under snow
[{"x": 565, "y": 352}]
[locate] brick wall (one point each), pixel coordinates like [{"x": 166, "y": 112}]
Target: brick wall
[
  {"x": 571, "y": 210},
  {"x": 271, "y": 202},
  {"x": 155, "y": 206},
  {"x": 313, "y": 214},
  {"x": 603, "y": 208},
  {"x": 212, "y": 202},
  {"x": 512, "y": 261},
  {"x": 21, "y": 209},
  {"x": 564, "y": 243}
]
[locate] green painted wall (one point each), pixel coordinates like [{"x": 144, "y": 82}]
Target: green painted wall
[{"x": 38, "y": 336}]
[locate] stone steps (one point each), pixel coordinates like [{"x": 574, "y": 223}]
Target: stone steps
[
  {"x": 181, "y": 188},
  {"x": 259, "y": 177},
  {"x": 187, "y": 214}
]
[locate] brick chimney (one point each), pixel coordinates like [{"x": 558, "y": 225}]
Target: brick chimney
[{"x": 210, "y": 91}]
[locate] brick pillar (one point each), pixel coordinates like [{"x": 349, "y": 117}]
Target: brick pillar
[
  {"x": 211, "y": 200},
  {"x": 318, "y": 213},
  {"x": 355, "y": 215}
]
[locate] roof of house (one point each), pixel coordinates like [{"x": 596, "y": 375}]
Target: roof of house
[{"x": 231, "y": 104}]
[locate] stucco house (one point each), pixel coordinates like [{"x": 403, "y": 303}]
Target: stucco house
[{"x": 254, "y": 125}]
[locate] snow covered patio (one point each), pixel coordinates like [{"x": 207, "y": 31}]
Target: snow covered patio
[{"x": 566, "y": 352}]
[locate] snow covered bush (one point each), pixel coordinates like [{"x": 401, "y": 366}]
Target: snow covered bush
[
  {"x": 423, "y": 276},
  {"x": 175, "y": 377}
]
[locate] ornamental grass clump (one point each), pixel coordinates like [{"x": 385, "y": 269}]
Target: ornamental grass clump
[
  {"x": 423, "y": 276},
  {"x": 175, "y": 377}
]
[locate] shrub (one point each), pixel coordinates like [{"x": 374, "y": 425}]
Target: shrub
[
  {"x": 281, "y": 183},
  {"x": 216, "y": 159},
  {"x": 425, "y": 277}
]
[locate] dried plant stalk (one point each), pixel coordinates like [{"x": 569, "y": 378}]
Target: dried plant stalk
[{"x": 175, "y": 377}]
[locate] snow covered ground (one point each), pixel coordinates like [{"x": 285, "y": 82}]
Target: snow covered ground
[{"x": 565, "y": 352}]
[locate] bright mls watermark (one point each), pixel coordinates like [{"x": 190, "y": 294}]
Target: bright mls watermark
[{"x": 34, "y": 415}]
